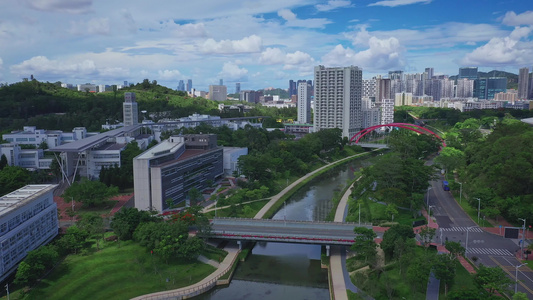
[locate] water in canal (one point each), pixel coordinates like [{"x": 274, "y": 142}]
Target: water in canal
[{"x": 289, "y": 271}]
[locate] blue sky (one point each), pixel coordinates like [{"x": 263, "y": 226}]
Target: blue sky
[{"x": 260, "y": 43}]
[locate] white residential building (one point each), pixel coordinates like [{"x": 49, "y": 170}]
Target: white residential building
[
  {"x": 403, "y": 99},
  {"x": 304, "y": 103},
  {"x": 338, "y": 95},
  {"x": 387, "y": 111},
  {"x": 28, "y": 219}
]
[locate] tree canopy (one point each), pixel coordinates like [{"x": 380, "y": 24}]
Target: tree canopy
[{"x": 89, "y": 192}]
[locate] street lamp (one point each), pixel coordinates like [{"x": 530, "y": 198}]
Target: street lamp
[
  {"x": 466, "y": 243},
  {"x": 478, "y": 208},
  {"x": 523, "y": 238},
  {"x": 460, "y": 192},
  {"x": 516, "y": 277},
  {"x": 429, "y": 212},
  {"x": 427, "y": 197},
  {"x": 216, "y": 208}
]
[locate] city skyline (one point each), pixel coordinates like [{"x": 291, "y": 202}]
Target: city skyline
[{"x": 259, "y": 44}]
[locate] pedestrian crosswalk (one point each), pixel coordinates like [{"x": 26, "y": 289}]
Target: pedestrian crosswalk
[
  {"x": 490, "y": 251},
  {"x": 473, "y": 229}
]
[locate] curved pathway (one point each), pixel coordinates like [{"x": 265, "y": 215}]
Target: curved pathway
[{"x": 275, "y": 198}]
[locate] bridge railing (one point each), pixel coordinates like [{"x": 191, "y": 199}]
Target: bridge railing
[{"x": 291, "y": 221}]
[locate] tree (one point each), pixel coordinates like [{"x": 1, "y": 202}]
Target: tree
[
  {"x": 398, "y": 231},
  {"x": 455, "y": 248},
  {"x": 195, "y": 196},
  {"x": 427, "y": 233},
  {"x": 73, "y": 240},
  {"x": 451, "y": 158},
  {"x": 94, "y": 225},
  {"x": 444, "y": 270},
  {"x": 391, "y": 211},
  {"x": 3, "y": 162},
  {"x": 520, "y": 296},
  {"x": 13, "y": 178},
  {"x": 364, "y": 243},
  {"x": 126, "y": 220},
  {"x": 492, "y": 279},
  {"x": 36, "y": 263},
  {"x": 91, "y": 193}
]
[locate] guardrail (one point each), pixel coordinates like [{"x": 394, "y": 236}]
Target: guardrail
[
  {"x": 194, "y": 290},
  {"x": 290, "y": 221}
]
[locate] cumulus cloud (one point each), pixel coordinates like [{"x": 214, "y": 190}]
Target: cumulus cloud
[
  {"x": 515, "y": 49},
  {"x": 191, "y": 30},
  {"x": 232, "y": 72},
  {"x": 333, "y": 4},
  {"x": 293, "y": 21},
  {"x": 62, "y": 6},
  {"x": 248, "y": 44},
  {"x": 512, "y": 19},
  {"x": 275, "y": 56},
  {"x": 169, "y": 75},
  {"x": 42, "y": 67},
  {"x": 394, "y": 3},
  {"x": 95, "y": 26},
  {"x": 382, "y": 54}
]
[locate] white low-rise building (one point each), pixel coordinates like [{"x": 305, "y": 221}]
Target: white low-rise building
[
  {"x": 25, "y": 158},
  {"x": 231, "y": 159},
  {"x": 28, "y": 219}
]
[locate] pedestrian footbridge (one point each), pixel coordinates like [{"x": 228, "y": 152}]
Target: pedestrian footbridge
[{"x": 285, "y": 231}]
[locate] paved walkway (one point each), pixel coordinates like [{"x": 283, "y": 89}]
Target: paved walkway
[
  {"x": 275, "y": 198},
  {"x": 201, "y": 286}
]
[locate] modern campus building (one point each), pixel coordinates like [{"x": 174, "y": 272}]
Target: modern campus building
[
  {"x": 468, "y": 73},
  {"x": 25, "y": 158},
  {"x": 168, "y": 171},
  {"x": 30, "y": 135},
  {"x": 338, "y": 96},
  {"x": 28, "y": 219}
]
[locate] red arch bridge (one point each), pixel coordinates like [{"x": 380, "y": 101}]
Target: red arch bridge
[
  {"x": 416, "y": 128},
  {"x": 285, "y": 231}
]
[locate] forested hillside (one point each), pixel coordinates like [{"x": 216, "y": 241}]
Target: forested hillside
[{"x": 49, "y": 106}]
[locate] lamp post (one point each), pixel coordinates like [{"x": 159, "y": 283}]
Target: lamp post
[
  {"x": 466, "y": 243},
  {"x": 478, "y": 208},
  {"x": 7, "y": 290},
  {"x": 516, "y": 277},
  {"x": 359, "y": 212},
  {"x": 427, "y": 197},
  {"x": 216, "y": 201},
  {"x": 429, "y": 213},
  {"x": 460, "y": 192},
  {"x": 523, "y": 238}
]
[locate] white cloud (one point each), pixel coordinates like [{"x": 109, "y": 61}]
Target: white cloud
[
  {"x": 191, "y": 30},
  {"x": 297, "y": 59},
  {"x": 293, "y": 21},
  {"x": 333, "y": 4},
  {"x": 382, "y": 55},
  {"x": 95, "y": 26},
  {"x": 438, "y": 36},
  {"x": 248, "y": 44},
  {"x": 169, "y": 75},
  {"x": 512, "y": 19},
  {"x": 232, "y": 73},
  {"x": 62, "y": 6},
  {"x": 514, "y": 49},
  {"x": 394, "y": 3},
  {"x": 41, "y": 66}
]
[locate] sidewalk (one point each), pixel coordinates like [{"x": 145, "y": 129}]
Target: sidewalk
[{"x": 200, "y": 287}]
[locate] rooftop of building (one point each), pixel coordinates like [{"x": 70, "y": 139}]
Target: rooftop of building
[
  {"x": 111, "y": 146},
  {"x": 95, "y": 140},
  {"x": 165, "y": 147},
  {"x": 22, "y": 196}
]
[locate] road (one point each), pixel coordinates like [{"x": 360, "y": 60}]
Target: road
[{"x": 491, "y": 250}]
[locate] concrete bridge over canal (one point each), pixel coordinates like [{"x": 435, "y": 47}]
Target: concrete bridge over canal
[{"x": 285, "y": 231}]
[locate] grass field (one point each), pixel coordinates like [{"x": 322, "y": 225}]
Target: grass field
[
  {"x": 116, "y": 273},
  {"x": 379, "y": 215}
]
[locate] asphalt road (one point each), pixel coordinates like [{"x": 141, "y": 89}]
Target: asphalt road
[{"x": 491, "y": 250}]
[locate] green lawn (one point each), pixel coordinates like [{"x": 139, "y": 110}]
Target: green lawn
[
  {"x": 214, "y": 253},
  {"x": 240, "y": 210},
  {"x": 379, "y": 216},
  {"x": 117, "y": 273}
]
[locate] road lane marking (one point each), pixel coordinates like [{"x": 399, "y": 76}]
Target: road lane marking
[{"x": 510, "y": 274}]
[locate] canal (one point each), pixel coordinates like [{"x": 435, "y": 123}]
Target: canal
[{"x": 289, "y": 271}]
